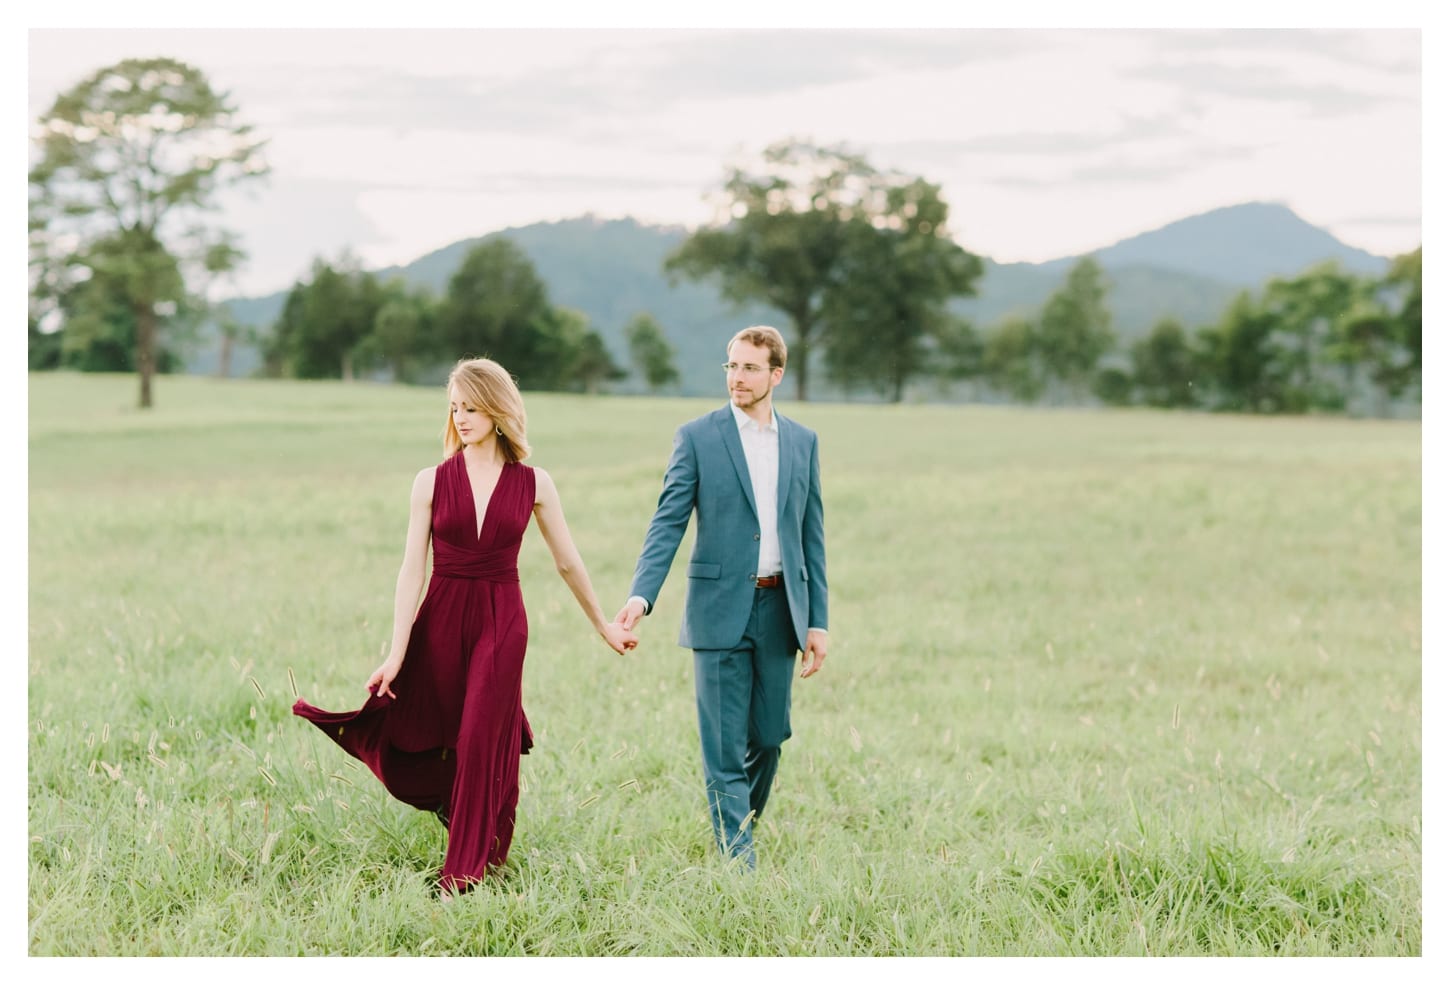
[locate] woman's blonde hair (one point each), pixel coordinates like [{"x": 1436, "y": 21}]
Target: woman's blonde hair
[{"x": 486, "y": 386}]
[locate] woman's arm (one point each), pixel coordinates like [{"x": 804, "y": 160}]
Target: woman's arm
[
  {"x": 550, "y": 514},
  {"x": 410, "y": 580}
]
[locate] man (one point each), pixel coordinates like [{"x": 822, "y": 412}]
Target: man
[{"x": 756, "y": 591}]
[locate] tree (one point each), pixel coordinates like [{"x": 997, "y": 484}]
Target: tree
[
  {"x": 1243, "y": 360},
  {"x": 958, "y": 350},
  {"x": 1012, "y": 359},
  {"x": 127, "y": 159},
  {"x": 651, "y": 352},
  {"x": 888, "y": 307},
  {"x": 593, "y": 364},
  {"x": 99, "y": 322},
  {"x": 1164, "y": 365},
  {"x": 496, "y": 306},
  {"x": 796, "y": 234},
  {"x": 1364, "y": 337},
  {"x": 1307, "y": 308},
  {"x": 220, "y": 261},
  {"x": 44, "y": 347},
  {"x": 1113, "y": 385},
  {"x": 277, "y": 347},
  {"x": 324, "y": 328},
  {"x": 1404, "y": 278},
  {"x": 402, "y": 331},
  {"x": 1076, "y": 327}
]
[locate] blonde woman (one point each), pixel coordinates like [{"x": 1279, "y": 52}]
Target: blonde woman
[{"x": 444, "y": 726}]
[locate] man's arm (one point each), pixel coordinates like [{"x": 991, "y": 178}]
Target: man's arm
[
  {"x": 666, "y": 530},
  {"x": 813, "y": 543}
]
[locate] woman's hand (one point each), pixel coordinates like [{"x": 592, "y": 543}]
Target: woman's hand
[
  {"x": 383, "y": 677},
  {"x": 618, "y": 638}
]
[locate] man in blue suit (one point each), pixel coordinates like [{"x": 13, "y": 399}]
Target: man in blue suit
[{"x": 756, "y": 589}]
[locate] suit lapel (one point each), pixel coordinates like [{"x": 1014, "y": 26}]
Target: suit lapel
[
  {"x": 730, "y": 435},
  {"x": 786, "y": 459}
]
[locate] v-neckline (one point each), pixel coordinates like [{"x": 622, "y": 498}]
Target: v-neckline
[{"x": 480, "y": 521}]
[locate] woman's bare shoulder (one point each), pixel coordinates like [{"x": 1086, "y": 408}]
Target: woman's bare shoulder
[{"x": 423, "y": 483}]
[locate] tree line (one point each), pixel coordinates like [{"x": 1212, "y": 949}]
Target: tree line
[
  {"x": 858, "y": 262},
  {"x": 1316, "y": 342},
  {"x": 344, "y": 321}
]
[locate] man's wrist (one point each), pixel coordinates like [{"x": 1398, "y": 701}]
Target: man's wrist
[{"x": 643, "y": 604}]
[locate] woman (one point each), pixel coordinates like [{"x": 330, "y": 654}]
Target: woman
[{"x": 444, "y": 726}]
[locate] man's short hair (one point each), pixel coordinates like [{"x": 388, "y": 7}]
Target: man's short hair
[{"x": 762, "y": 335}]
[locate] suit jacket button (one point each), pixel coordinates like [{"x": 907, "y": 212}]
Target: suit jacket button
[{"x": 757, "y": 536}]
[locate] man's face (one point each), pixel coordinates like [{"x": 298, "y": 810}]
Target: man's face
[{"x": 752, "y": 379}]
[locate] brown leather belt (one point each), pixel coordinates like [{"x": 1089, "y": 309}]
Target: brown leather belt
[{"x": 769, "y": 581}]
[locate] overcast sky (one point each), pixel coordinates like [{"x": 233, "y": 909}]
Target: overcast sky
[{"x": 1047, "y": 142}]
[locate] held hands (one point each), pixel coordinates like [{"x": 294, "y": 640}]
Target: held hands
[
  {"x": 383, "y": 677},
  {"x": 618, "y": 637},
  {"x": 814, "y": 654},
  {"x": 630, "y": 615}
]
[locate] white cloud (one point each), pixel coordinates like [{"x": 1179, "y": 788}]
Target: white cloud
[{"x": 1047, "y": 143}]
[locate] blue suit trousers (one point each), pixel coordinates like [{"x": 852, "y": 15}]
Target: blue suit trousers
[{"x": 742, "y": 698}]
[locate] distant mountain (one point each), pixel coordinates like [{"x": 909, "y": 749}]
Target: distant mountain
[
  {"x": 1244, "y": 245},
  {"x": 613, "y": 269}
]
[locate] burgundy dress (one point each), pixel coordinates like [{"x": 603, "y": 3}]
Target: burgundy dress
[{"x": 451, "y": 739}]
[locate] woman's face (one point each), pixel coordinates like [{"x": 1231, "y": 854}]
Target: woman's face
[{"x": 473, "y": 425}]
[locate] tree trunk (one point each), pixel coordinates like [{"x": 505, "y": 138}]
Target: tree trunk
[
  {"x": 802, "y": 359},
  {"x": 145, "y": 348},
  {"x": 224, "y": 358},
  {"x": 347, "y": 367}
]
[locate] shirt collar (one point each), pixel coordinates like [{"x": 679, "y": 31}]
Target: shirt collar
[{"x": 744, "y": 420}]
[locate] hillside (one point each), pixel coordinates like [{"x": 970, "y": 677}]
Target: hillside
[{"x": 612, "y": 269}]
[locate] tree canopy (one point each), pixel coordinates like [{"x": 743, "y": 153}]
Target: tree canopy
[
  {"x": 853, "y": 257},
  {"x": 128, "y": 161}
]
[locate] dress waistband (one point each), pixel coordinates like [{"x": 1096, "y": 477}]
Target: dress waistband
[{"x": 451, "y": 561}]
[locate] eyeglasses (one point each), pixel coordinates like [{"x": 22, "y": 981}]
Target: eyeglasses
[{"x": 750, "y": 369}]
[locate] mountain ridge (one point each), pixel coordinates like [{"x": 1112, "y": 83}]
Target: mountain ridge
[{"x": 611, "y": 269}]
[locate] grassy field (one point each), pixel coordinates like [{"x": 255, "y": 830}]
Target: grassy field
[{"x": 1118, "y": 683}]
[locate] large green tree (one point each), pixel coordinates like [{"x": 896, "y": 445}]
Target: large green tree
[
  {"x": 796, "y": 234},
  {"x": 887, "y": 311},
  {"x": 326, "y": 325},
  {"x": 496, "y": 306},
  {"x": 128, "y": 161}
]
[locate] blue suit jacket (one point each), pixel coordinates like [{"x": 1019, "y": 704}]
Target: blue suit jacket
[{"x": 707, "y": 475}]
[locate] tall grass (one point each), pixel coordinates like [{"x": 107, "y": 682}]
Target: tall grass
[{"x": 1118, "y": 683}]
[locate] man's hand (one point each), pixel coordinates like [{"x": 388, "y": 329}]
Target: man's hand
[
  {"x": 630, "y": 615},
  {"x": 814, "y": 654}
]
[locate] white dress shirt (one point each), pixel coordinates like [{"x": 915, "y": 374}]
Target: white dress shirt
[{"x": 762, "y": 459}]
